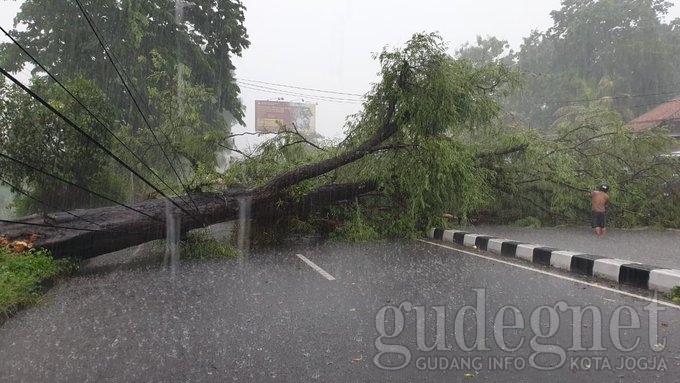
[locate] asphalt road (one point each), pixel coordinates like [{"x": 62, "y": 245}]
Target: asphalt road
[
  {"x": 272, "y": 317},
  {"x": 649, "y": 246}
]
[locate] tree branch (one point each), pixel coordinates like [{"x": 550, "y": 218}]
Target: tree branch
[
  {"x": 305, "y": 172},
  {"x": 246, "y": 134},
  {"x": 304, "y": 139},
  {"x": 514, "y": 149},
  {"x": 244, "y": 154},
  {"x": 391, "y": 147}
]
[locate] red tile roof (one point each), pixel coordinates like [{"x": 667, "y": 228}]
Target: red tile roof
[{"x": 668, "y": 111}]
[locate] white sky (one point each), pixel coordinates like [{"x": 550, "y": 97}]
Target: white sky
[{"x": 328, "y": 44}]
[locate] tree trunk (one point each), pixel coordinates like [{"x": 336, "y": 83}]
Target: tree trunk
[{"x": 117, "y": 227}]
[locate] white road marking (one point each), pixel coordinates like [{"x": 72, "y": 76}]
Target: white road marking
[
  {"x": 315, "y": 267},
  {"x": 660, "y": 302}
]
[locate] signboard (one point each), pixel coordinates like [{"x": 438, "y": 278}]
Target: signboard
[{"x": 271, "y": 116}]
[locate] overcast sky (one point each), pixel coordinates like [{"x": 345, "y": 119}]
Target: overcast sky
[{"x": 327, "y": 45}]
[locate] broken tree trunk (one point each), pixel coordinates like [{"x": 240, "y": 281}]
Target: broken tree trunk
[
  {"x": 91, "y": 232},
  {"x": 75, "y": 234}
]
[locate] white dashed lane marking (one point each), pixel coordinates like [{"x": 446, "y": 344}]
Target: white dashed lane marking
[{"x": 315, "y": 267}]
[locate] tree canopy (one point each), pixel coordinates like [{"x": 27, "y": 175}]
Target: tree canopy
[
  {"x": 202, "y": 35},
  {"x": 411, "y": 141},
  {"x": 153, "y": 83},
  {"x": 622, "y": 50},
  {"x": 602, "y": 63},
  {"x": 439, "y": 134}
]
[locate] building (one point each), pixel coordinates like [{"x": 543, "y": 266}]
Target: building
[{"x": 666, "y": 115}]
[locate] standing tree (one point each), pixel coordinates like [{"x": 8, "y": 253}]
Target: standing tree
[
  {"x": 157, "y": 74},
  {"x": 202, "y": 35},
  {"x": 35, "y": 136},
  {"x": 621, "y": 42},
  {"x": 600, "y": 64}
]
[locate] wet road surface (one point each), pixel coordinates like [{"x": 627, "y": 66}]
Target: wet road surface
[
  {"x": 272, "y": 317},
  {"x": 649, "y": 246}
]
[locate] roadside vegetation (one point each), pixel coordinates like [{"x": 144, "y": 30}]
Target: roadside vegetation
[
  {"x": 674, "y": 294},
  {"x": 202, "y": 245},
  {"x": 23, "y": 276}
]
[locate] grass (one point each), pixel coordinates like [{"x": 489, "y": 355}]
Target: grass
[
  {"x": 23, "y": 276},
  {"x": 528, "y": 222},
  {"x": 356, "y": 231},
  {"x": 674, "y": 294},
  {"x": 201, "y": 245}
]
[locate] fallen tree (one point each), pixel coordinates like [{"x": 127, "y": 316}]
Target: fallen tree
[
  {"x": 408, "y": 144},
  {"x": 118, "y": 227}
]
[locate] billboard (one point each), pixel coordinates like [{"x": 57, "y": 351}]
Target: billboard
[{"x": 271, "y": 115}]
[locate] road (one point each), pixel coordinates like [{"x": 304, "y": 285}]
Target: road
[
  {"x": 271, "y": 316},
  {"x": 649, "y": 246}
]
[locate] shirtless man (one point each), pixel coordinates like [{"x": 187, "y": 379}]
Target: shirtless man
[{"x": 600, "y": 199}]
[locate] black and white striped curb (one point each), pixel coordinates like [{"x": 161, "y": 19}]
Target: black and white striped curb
[{"x": 616, "y": 270}]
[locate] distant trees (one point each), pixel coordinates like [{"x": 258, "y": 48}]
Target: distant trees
[
  {"x": 601, "y": 63},
  {"x": 622, "y": 44},
  {"x": 549, "y": 181}
]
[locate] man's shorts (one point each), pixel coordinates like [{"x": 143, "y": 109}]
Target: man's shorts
[{"x": 598, "y": 219}]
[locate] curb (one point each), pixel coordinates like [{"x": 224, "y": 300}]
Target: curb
[{"x": 616, "y": 270}]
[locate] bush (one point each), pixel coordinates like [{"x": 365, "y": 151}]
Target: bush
[
  {"x": 22, "y": 277},
  {"x": 674, "y": 294},
  {"x": 356, "y": 232},
  {"x": 202, "y": 245}
]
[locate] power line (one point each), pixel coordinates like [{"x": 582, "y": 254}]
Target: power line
[
  {"x": 100, "y": 39},
  {"x": 29, "y": 166},
  {"x": 301, "y": 88},
  {"x": 87, "y": 109},
  {"x": 615, "y": 98},
  {"x": 253, "y": 86},
  {"x": 19, "y": 190},
  {"x": 90, "y": 22},
  {"x": 583, "y": 112},
  {"x": 297, "y": 93},
  {"x": 74, "y": 126},
  {"x": 576, "y": 101},
  {"x": 64, "y": 227},
  {"x": 286, "y": 93},
  {"x": 114, "y": 58}
]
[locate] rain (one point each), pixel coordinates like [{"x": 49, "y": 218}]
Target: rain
[{"x": 339, "y": 191}]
